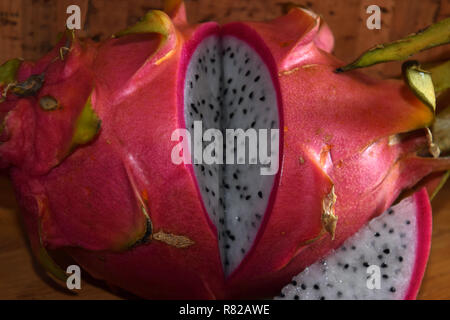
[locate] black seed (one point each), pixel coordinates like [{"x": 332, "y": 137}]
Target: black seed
[
  {"x": 316, "y": 287},
  {"x": 294, "y": 283},
  {"x": 203, "y": 101},
  {"x": 258, "y": 216},
  {"x": 190, "y": 84},
  {"x": 196, "y": 77},
  {"x": 206, "y": 189},
  {"x": 257, "y": 78},
  {"x": 234, "y": 91},
  {"x": 248, "y": 197},
  {"x": 240, "y": 100},
  {"x": 339, "y": 294},
  {"x": 210, "y": 173},
  {"x": 242, "y": 250},
  {"x": 346, "y": 266},
  {"x": 213, "y": 193},
  {"x": 400, "y": 259},
  {"x": 244, "y": 111},
  {"x": 296, "y": 297},
  {"x": 392, "y": 289},
  {"x": 231, "y": 115},
  {"x": 390, "y": 211},
  {"x": 253, "y": 124},
  {"x": 243, "y": 88},
  {"x": 262, "y": 98},
  {"x": 387, "y": 251},
  {"x": 365, "y": 264},
  {"x": 303, "y": 286},
  {"x": 385, "y": 276},
  {"x": 322, "y": 298},
  {"x": 380, "y": 257},
  {"x": 251, "y": 95},
  {"x": 227, "y": 186},
  {"x": 211, "y": 106},
  {"x": 246, "y": 60},
  {"x": 377, "y": 234},
  {"x": 353, "y": 248},
  {"x": 247, "y": 73},
  {"x": 235, "y": 176},
  {"x": 232, "y": 55},
  {"x": 260, "y": 194},
  {"x": 391, "y": 230},
  {"x": 238, "y": 187},
  {"x": 384, "y": 265},
  {"x": 282, "y": 295},
  {"x": 194, "y": 108},
  {"x": 408, "y": 222},
  {"x": 229, "y": 81}
]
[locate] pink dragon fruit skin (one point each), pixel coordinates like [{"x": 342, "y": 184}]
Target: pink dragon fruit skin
[{"x": 120, "y": 207}]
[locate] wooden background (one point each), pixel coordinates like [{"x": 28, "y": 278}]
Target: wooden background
[{"x": 29, "y": 28}]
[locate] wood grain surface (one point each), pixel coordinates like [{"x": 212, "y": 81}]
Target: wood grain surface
[{"x": 29, "y": 28}]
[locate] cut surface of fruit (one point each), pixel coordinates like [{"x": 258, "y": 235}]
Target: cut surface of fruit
[
  {"x": 229, "y": 87},
  {"x": 384, "y": 260}
]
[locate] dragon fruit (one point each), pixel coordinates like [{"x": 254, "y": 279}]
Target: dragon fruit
[
  {"x": 88, "y": 136},
  {"x": 397, "y": 243}
]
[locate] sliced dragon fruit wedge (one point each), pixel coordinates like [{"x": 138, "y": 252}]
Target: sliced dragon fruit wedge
[
  {"x": 228, "y": 85},
  {"x": 384, "y": 260}
]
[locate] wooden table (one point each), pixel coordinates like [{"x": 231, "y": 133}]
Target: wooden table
[{"x": 28, "y": 29}]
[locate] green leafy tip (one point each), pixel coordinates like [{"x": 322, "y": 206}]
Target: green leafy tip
[
  {"x": 441, "y": 130},
  {"x": 8, "y": 71},
  {"x": 154, "y": 21},
  {"x": 440, "y": 185},
  {"x": 440, "y": 73},
  {"x": 87, "y": 126},
  {"x": 50, "y": 266},
  {"x": 420, "y": 83},
  {"x": 433, "y": 36}
]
